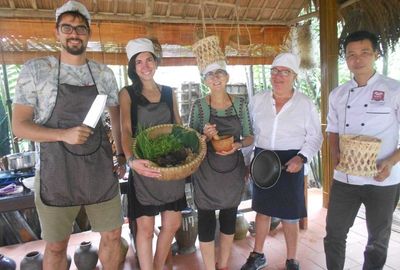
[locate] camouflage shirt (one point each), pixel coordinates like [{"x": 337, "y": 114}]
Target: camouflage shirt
[{"x": 37, "y": 83}]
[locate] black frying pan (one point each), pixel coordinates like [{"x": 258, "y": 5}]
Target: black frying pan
[{"x": 265, "y": 169}]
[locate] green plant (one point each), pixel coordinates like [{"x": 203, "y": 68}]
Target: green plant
[{"x": 167, "y": 149}]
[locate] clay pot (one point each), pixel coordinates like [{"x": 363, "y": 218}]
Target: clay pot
[
  {"x": 187, "y": 233},
  {"x": 222, "y": 143},
  {"x": 7, "y": 263},
  {"x": 32, "y": 261},
  {"x": 242, "y": 226},
  {"x": 86, "y": 256}
]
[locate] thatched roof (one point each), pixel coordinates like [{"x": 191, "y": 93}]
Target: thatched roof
[
  {"x": 251, "y": 31},
  {"x": 26, "y": 26},
  {"x": 381, "y": 17}
]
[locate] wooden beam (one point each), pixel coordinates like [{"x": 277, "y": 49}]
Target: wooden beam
[
  {"x": 149, "y": 9},
  {"x": 304, "y": 17},
  {"x": 34, "y": 4},
  {"x": 128, "y": 17},
  {"x": 247, "y": 9},
  {"x": 9, "y": 58},
  {"x": 115, "y": 6},
  {"x": 273, "y": 12},
  {"x": 11, "y": 4},
  {"x": 348, "y": 3},
  {"x": 169, "y": 8},
  {"x": 113, "y": 37},
  {"x": 329, "y": 80}
]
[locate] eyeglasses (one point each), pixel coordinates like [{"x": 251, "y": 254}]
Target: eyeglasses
[
  {"x": 79, "y": 29},
  {"x": 284, "y": 73},
  {"x": 215, "y": 74}
]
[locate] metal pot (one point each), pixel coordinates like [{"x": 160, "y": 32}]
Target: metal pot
[
  {"x": 265, "y": 169},
  {"x": 21, "y": 160}
]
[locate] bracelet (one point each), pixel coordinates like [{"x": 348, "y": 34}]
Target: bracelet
[{"x": 131, "y": 158}]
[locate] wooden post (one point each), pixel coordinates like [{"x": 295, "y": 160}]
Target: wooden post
[
  {"x": 329, "y": 80},
  {"x": 303, "y": 224}
]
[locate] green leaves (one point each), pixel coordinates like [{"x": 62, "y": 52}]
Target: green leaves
[{"x": 154, "y": 148}]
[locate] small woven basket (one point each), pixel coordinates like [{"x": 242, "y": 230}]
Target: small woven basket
[
  {"x": 207, "y": 51},
  {"x": 358, "y": 154},
  {"x": 176, "y": 172}
]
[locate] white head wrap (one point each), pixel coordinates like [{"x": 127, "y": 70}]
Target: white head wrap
[
  {"x": 288, "y": 60},
  {"x": 139, "y": 45}
]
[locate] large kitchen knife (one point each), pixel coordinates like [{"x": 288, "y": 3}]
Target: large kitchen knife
[{"x": 95, "y": 111}]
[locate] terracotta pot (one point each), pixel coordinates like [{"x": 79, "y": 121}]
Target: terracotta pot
[
  {"x": 32, "y": 261},
  {"x": 7, "y": 263},
  {"x": 222, "y": 143},
  {"x": 86, "y": 256},
  {"x": 187, "y": 233},
  {"x": 242, "y": 226}
]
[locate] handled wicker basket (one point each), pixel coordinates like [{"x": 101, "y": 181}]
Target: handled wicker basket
[
  {"x": 358, "y": 154},
  {"x": 177, "y": 172}
]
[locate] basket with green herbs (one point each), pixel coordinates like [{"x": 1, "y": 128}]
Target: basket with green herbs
[{"x": 176, "y": 150}]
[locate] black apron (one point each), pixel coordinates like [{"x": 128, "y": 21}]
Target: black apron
[
  {"x": 151, "y": 191},
  {"x": 219, "y": 181},
  {"x": 72, "y": 175},
  {"x": 286, "y": 199}
]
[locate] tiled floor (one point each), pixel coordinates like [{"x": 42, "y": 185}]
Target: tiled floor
[{"x": 310, "y": 254}]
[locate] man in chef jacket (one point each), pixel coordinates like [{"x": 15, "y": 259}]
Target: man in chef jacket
[
  {"x": 52, "y": 97},
  {"x": 369, "y": 104}
]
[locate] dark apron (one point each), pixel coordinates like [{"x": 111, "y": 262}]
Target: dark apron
[
  {"x": 151, "y": 191},
  {"x": 219, "y": 181},
  {"x": 286, "y": 199},
  {"x": 82, "y": 174}
]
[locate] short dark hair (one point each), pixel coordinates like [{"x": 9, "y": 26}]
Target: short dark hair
[
  {"x": 75, "y": 14},
  {"x": 362, "y": 35}
]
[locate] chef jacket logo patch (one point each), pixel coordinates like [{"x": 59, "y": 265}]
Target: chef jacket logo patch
[{"x": 378, "y": 96}]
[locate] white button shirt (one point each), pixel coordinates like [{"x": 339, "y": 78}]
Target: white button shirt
[
  {"x": 371, "y": 110},
  {"x": 296, "y": 126}
]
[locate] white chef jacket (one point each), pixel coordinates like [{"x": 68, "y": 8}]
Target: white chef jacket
[
  {"x": 371, "y": 110},
  {"x": 296, "y": 126}
]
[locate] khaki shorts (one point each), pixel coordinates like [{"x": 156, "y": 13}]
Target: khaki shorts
[{"x": 57, "y": 222}]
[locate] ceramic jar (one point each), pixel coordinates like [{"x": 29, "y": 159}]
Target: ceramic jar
[
  {"x": 32, "y": 261},
  {"x": 242, "y": 227},
  {"x": 187, "y": 233},
  {"x": 86, "y": 256},
  {"x": 7, "y": 263}
]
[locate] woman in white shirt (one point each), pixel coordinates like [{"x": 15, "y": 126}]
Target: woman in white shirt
[{"x": 287, "y": 122}]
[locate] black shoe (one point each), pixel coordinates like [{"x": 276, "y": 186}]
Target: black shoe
[
  {"x": 255, "y": 261},
  {"x": 292, "y": 265}
]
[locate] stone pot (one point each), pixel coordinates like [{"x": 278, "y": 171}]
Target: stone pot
[
  {"x": 86, "y": 256},
  {"x": 7, "y": 263},
  {"x": 187, "y": 233},
  {"x": 32, "y": 261},
  {"x": 242, "y": 226}
]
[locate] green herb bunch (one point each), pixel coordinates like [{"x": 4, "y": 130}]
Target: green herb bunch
[{"x": 156, "y": 149}]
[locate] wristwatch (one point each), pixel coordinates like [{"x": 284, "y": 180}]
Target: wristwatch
[{"x": 303, "y": 157}]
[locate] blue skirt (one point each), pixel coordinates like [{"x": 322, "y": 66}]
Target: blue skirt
[{"x": 286, "y": 199}]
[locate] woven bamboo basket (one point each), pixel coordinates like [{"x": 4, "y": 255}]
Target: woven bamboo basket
[
  {"x": 176, "y": 172},
  {"x": 207, "y": 51},
  {"x": 358, "y": 154}
]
